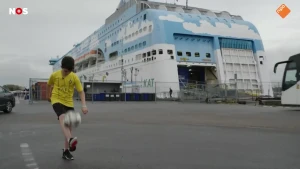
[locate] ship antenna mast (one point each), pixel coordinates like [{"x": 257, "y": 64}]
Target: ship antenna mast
[{"x": 187, "y": 3}]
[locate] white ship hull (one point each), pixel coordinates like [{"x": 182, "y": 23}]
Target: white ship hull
[{"x": 157, "y": 75}]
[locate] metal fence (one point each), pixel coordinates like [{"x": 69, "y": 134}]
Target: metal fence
[{"x": 148, "y": 90}]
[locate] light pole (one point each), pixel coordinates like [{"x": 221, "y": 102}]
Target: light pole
[
  {"x": 123, "y": 71},
  {"x": 80, "y": 78},
  {"x": 131, "y": 71},
  {"x": 93, "y": 88},
  {"x": 124, "y": 82},
  {"x": 136, "y": 73}
]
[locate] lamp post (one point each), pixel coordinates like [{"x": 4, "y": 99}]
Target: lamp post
[
  {"x": 80, "y": 78},
  {"x": 93, "y": 88}
]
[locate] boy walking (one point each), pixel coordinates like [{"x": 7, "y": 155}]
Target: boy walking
[{"x": 61, "y": 86}]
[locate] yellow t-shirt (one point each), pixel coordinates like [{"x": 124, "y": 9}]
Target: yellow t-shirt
[{"x": 63, "y": 88}]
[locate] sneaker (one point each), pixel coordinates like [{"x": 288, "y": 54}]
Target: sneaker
[
  {"x": 72, "y": 144},
  {"x": 67, "y": 155}
]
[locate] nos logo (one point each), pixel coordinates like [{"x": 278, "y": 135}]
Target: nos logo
[{"x": 18, "y": 11}]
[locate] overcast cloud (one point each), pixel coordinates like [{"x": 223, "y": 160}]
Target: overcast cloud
[{"x": 53, "y": 26}]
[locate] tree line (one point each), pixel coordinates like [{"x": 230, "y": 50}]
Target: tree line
[{"x": 13, "y": 87}]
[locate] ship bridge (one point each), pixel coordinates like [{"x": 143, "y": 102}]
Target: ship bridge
[
  {"x": 53, "y": 61},
  {"x": 141, "y": 5},
  {"x": 144, "y": 4}
]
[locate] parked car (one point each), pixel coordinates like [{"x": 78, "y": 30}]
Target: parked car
[{"x": 7, "y": 100}]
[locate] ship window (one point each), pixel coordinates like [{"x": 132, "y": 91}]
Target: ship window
[
  {"x": 153, "y": 52},
  {"x": 140, "y": 30},
  {"x": 179, "y": 53},
  {"x": 136, "y": 33},
  {"x": 132, "y": 34},
  {"x": 172, "y": 57},
  {"x": 144, "y": 55},
  {"x": 197, "y": 54},
  {"x": 150, "y": 28},
  {"x": 140, "y": 45},
  {"x": 145, "y": 16},
  {"x": 148, "y": 53},
  {"x": 160, "y": 51},
  {"x": 132, "y": 47},
  {"x": 128, "y": 49},
  {"x": 144, "y": 43},
  {"x": 145, "y": 28},
  {"x": 129, "y": 36},
  {"x": 188, "y": 54},
  {"x": 170, "y": 52},
  {"x": 208, "y": 55},
  {"x": 136, "y": 46}
]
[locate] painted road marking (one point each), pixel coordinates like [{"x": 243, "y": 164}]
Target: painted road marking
[
  {"x": 28, "y": 156},
  {"x": 22, "y": 133},
  {"x": 17, "y": 100}
]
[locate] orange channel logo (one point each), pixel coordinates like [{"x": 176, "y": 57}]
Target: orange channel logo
[{"x": 283, "y": 11}]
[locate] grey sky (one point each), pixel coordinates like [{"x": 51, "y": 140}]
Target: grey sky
[{"x": 53, "y": 26}]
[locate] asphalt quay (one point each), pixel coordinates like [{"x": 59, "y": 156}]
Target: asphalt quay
[{"x": 161, "y": 135}]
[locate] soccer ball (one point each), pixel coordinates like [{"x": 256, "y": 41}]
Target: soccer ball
[{"x": 72, "y": 119}]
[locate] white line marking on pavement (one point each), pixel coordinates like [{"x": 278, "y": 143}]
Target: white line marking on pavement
[
  {"x": 28, "y": 157},
  {"x": 22, "y": 133},
  {"x": 23, "y": 145},
  {"x": 17, "y": 100}
]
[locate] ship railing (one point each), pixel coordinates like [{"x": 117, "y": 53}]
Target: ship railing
[{"x": 219, "y": 92}]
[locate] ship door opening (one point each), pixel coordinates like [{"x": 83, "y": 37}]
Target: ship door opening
[{"x": 197, "y": 75}]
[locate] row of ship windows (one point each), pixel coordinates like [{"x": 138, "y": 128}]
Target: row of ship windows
[
  {"x": 189, "y": 54},
  {"x": 117, "y": 24},
  {"x": 145, "y": 57},
  {"x": 128, "y": 61},
  {"x": 145, "y": 16},
  {"x": 150, "y": 56},
  {"x": 136, "y": 33},
  {"x": 135, "y": 47},
  {"x": 132, "y": 35},
  {"x": 120, "y": 29},
  {"x": 209, "y": 18},
  {"x": 160, "y": 51}
]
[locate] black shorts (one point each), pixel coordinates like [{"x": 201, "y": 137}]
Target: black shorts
[{"x": 61, "y": 109}]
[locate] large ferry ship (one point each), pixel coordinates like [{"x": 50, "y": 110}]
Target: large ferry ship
[{"x": 170, "y": 43}]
